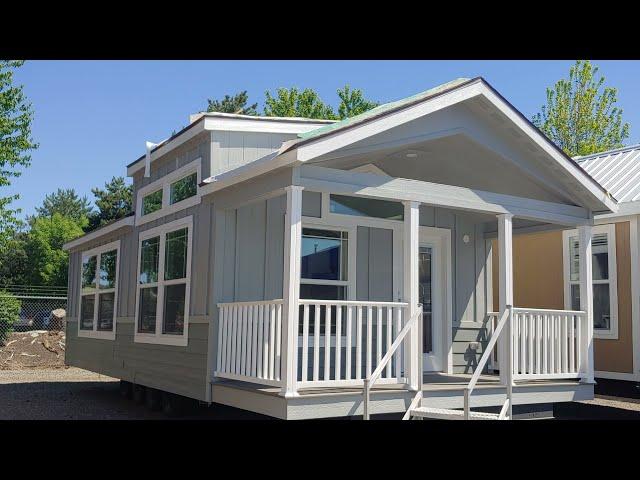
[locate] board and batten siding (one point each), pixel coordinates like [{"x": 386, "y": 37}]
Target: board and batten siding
[
  {"x": 538, "y": 283},
  {"x": 175, "y": 369},
  {"x": 230, "y": 149}
]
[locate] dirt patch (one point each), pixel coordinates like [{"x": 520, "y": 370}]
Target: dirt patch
[{"x": 35, "y": 349}]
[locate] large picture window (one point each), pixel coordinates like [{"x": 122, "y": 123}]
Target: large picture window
[
  {"x": 98, "y": 292},
  {"x": 603, "y": 261},
  {"x": 162, "y": 309}
]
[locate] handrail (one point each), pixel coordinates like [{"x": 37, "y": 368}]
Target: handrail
[
  {"x": 485, "y": 358},
  {"x": 546, "y": 310},
  {"x": 371, "y": 379},
  {"x": 251, "y": 303},
  {"x": 354, "y": 303}
]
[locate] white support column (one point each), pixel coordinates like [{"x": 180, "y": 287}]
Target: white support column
[
  {"x": 505, "y": 294},
  {"x": 410, "y": 284},
  {"x": 586, "y": 300},
  {"x": 291, "y": 290}
]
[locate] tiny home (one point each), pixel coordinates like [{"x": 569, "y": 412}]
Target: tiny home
[
  {"x": 304, "y": 269},
  {"x": 546, "y": 271}
]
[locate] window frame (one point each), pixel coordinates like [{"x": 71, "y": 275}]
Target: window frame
[
  {"x": 158, "y": 337},
  {"x": 97, "y": 252},
  {"x": 610, "y": 230},
  {"x": 164, "y": 184}
]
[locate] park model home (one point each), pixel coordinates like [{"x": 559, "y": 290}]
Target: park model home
[
  {"x": 305, "y": 269},
  {"x": 547, "y": 275}
]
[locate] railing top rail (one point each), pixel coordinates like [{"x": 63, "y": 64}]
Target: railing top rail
[
  {"x": 545, "y": 310},
  {"x": 364, "y": 303},
  {"x": 251, "y": 302}
]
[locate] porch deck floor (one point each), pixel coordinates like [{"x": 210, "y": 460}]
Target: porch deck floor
[{"x": 430, "y": 382}]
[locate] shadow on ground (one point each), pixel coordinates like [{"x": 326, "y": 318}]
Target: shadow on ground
[{"x": 586, "y": 411}]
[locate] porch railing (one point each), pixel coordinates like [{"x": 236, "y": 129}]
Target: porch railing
[
  {"x": 548, "y": 344},
  {"x": 339, "y": 343},
  {"x": 250, "y": 341}
]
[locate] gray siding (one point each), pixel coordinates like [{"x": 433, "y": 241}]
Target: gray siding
[
  {"x": 181, "y": 370},
  {"x": 374, "y": 270}
]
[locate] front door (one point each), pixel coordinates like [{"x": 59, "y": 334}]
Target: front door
[{"x": 433, "y": 296}]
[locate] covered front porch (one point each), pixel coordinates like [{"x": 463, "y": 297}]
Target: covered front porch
[{"x": 384, "y": 276}]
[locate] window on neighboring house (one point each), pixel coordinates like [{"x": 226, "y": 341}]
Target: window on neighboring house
[
  {"x": 152, "y": 202},
  {"x": 604, "y": 278},
  {"x": 163, "y": 283},
  {"x": 98, "y": 296},
  {"x": 171, "y": 193},
  {"x": 324, "y": 268}
]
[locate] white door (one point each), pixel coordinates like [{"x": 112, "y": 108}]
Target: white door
[{"x": 433, "y": 295}]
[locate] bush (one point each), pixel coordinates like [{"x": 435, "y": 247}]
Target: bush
[{"x": 9, "y": 313}]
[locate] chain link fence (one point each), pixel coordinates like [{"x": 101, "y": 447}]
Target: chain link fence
[{"x": 29, "y": 308}]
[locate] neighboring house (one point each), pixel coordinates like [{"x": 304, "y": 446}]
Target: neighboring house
[
  {"x": 546, "y": 271},
  {"x": 304, "y": 269}
]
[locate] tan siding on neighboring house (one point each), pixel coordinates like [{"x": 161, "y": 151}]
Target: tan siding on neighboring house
[
  {"x": 538, "y": 283},
  {"x": 617, "y": 355}
]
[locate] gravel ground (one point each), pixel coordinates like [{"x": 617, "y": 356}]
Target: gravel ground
[
  {"x": 75, "y": 394},
  {"x": 600, "y": 408}
]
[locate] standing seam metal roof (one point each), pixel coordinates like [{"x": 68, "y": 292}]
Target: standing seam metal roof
[{"x": 617, "y": 170}]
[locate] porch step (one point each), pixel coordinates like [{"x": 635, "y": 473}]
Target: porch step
[{"x": 449, "y": 414}]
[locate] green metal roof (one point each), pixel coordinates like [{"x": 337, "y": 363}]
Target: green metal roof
[{"x": 381, "y": 109}]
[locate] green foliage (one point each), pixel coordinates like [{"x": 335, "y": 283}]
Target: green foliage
[
  {"x": 184, "y": 188},
  {"x": 14, "y": 260},
  {"x": 47, "y": 263},
  {"x": 114, "y": 202},
  {"x": 352, "y": 102},
  {"x": 290, "y": 102},
  {"x": 68, "y": 204},
  {"x": 580, "y": 116},
  {"x": 152, "y": 202},
  {"x": 233, "y": 104},
  {"x": 9, "y": 312},
  {"x": 16, "y": 115}
]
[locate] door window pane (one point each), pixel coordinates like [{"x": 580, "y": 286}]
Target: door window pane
[
  {"x": 174, "y": 298},
  {"x": 424, "y": 297},
  {"x": 89, "y": 273},
  {"x": 184, "y": 188},
  {"x": 105, "y": 311},
  {"x": 601, "y": 309},
  {"x": 366, "y": 207},
  {"x": 152, "y": 202},
  {"x": 175, "y": 257},
  {"x": 87, "y": 310},
  {"x": 149, "y": 252},
  {"x": 147, "y": 312},
  {"x": 108, "y": 269}
]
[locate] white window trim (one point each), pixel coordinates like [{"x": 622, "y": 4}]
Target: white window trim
[
  {"x": 610, "y": 230},
  {"x": 164, "y": 184},
  {"x": 95, "y": 333},
  {"x": 158, "y": 337}
]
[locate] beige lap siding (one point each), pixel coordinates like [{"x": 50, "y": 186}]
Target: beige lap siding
[{"x": 538, "y": 283}]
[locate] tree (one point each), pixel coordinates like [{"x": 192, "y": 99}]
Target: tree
[
  {"x": 16, "y": 115},
  {"x": 233, "y": 104},
  {"x": 68, "y": 204},
  {"x": 580, "y": 116},
  {"x": 290, "y": 102},
  {"x": 14, "y": 261},
  {"x": 352, "y": 102},
  {"x": 114, "y": 202},
  {"x": 47, "y": 262},
  {"x": 9, "y": 313}
]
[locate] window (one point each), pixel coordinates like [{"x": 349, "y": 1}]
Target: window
[
  {"x": 366, "y": 207},
  {"x": 98, "y": 295},
  {"x": 603, "y": 261},
  {"x": 162, "y": 309},
  {"x": 173, "y": 192},
  {"x": 152, "y": 202}
]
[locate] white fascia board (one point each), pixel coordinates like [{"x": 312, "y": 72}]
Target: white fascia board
[
  {"x": 624, "y": 209},
  {"x": 126, "y": 222},
  {"x": 167, "y": 147},
  {"x": 400, "y": 189},
  {"x": 341, "y": 139},
  {"x": 585, "y": 180},
  {"x": 259, "y": 125}
]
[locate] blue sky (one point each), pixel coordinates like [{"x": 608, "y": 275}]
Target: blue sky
[{"x": 92, "y": 117}]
